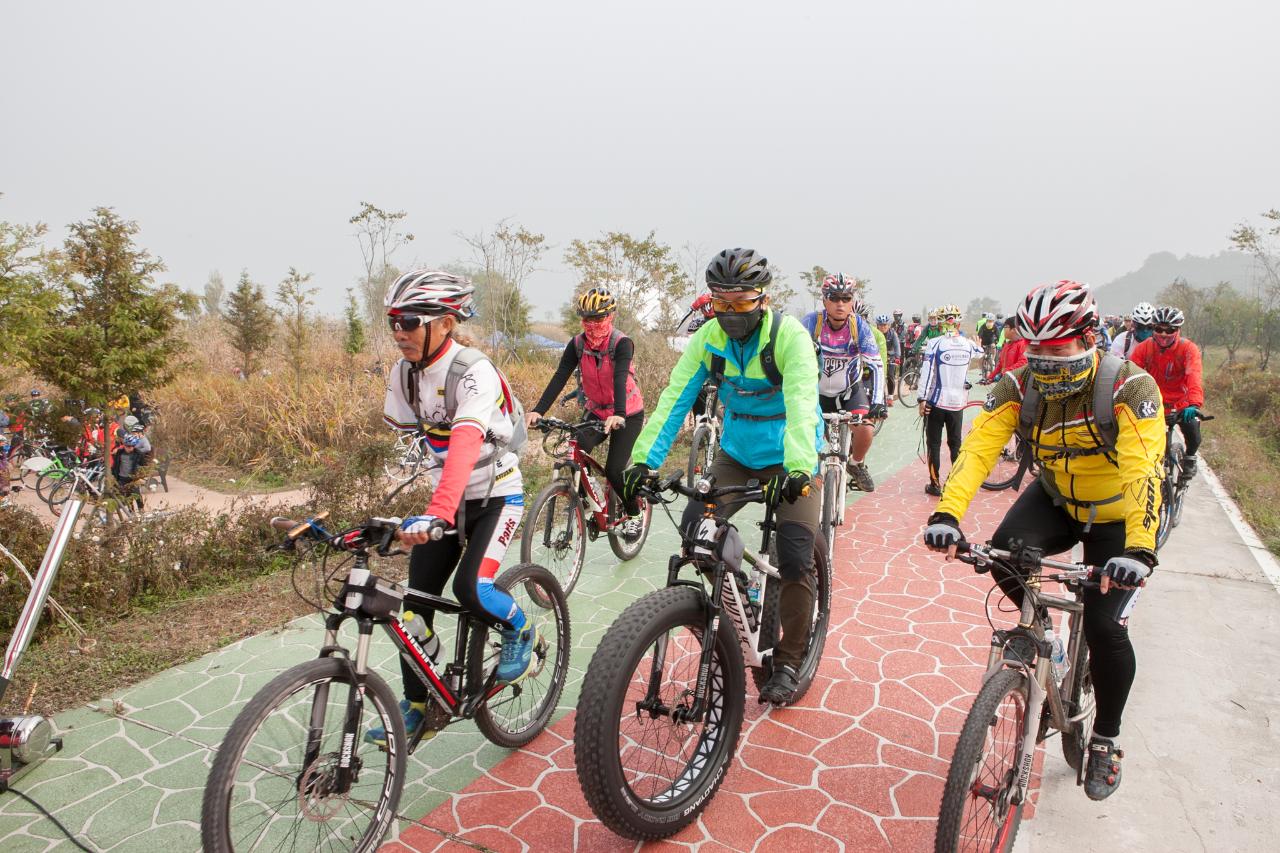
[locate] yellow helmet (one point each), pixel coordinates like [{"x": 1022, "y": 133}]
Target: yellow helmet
[{"x": 597, "y": 302}]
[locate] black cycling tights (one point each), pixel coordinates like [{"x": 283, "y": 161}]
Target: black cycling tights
[
  {"x": 1191, "y": 435},
  {"x": 620, "y": 443},
  {"x": 1038, "y": 523},
  {"x": 934, "y": 422}
]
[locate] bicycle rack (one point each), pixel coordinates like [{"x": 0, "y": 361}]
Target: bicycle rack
[{"x": 28, "y": 739}]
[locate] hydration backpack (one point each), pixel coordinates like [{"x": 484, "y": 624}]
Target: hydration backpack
[{"x": 467, "y": 358}]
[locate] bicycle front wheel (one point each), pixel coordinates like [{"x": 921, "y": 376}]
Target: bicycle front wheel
[
  {"x": 275, "y": 781},
  {"x": 701, "y": 452},
  {"x": 519, "y": 712},
  {"x": 555, "y": 534},
  {"x": 832, "y": 497},
  {"x": 977, "y": 809},
  {"x": 645, "y": 773}
]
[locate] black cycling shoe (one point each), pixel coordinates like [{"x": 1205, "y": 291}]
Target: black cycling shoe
[
  {"x": 1188, "y": 472},
  {"x": 1102, "y": 775},
  {"x": 781, "y": 686},
  {"x": 933, "y": 489}
]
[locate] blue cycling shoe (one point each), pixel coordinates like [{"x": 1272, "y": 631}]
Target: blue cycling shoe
[
  {"x": 414, "y": 714},
  {"x": 517, "y": 654}
]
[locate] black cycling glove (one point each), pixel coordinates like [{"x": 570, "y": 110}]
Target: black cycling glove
[{"x": 943, "y": 532}]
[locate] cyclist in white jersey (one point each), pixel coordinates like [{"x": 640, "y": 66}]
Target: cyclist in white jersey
[
  {"x": 477, "y": 484},
  {"x": 1144, "y": 317},
  {"x": 944, "y": 390}
]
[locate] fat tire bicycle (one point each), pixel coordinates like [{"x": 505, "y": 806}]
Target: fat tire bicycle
[
  {"x": 315, "y": 783},
  {"x": 672, "y": 667},
  {"x": 1021, "y": 702},
  {"x": 1173, "y": 492},
  {"x": 579, "y": 504}
]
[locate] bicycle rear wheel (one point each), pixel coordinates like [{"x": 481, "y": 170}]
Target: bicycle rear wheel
[
  {"x": 274, "y": 782},
  {"x": 977, "y": 810},
  {"x": 770, "y": 620},
  {"x": 645, "y": 775},
  {"x": 1165, "y": 515},
  {"x": 555, "y": 534},
  {"x": 518, "y": 713}
]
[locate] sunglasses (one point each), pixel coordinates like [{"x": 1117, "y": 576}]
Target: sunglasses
[
  {"x": 1165, "y": 330},
  {"x": 736, "y": 306},
  {"x": 844, "y": 298},
  {"x": 407, "y": 323}
]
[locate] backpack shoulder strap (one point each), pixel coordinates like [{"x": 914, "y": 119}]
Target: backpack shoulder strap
[
  {"x": 768, "y": 362},
  {"x": 1104, "y": 387},
  {"x": 1030, "y": 406},
  {"x": 579, "y": 344},
  {"x": 462, "y": 362},
  {"x": 614, "y": 338}
]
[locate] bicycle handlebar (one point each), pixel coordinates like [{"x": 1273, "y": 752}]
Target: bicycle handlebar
[
  {"x": 982, "y": 556},
  {"x": 546, "y": 424}
]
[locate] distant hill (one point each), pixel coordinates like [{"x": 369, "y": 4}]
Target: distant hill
[{"x": 1160, "y": 270}]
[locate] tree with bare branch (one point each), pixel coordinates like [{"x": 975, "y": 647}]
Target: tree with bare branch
[
  {"x": 504, "y": 257},
  {"x": 379, "y": 235}
]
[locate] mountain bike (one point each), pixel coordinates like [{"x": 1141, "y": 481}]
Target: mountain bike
[
  {"x": 707, "y": 428},
  {"x": 294, "y": 771},
  {"x": 909, "y": 380},
  {"x": 663, "y": 696},
  {"x": 1173, "y": 491},
  {"x": 578, "y": 504},
  {"x": 988, "y": 359},
  {"x": 1016, "y": 461},
  {"x": 1025, "y": 696},
  {"x": 833, "y": 464},
  {"x": 407, "y": 457}
]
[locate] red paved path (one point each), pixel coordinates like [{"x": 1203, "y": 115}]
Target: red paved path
[{"x": 858, "y": 765}]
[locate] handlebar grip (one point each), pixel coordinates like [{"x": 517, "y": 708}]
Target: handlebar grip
[{"x": 294, "y": 529}]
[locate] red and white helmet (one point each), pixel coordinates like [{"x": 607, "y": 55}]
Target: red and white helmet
[
  {"x": 1059, "y": 311},
  {"x": 432, "y": 293}
]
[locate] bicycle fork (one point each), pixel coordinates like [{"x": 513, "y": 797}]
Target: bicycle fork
[{"x": 348, "y": 768}]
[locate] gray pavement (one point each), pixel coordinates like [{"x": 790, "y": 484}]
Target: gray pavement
[{"x": 1202, "y": 747}]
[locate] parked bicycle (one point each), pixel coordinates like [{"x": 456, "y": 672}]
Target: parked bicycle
[
  {"x": 705, "y": 442},
  {"x": 1173, "y": 491},
  {"x": 579, "y": 504},
  {"x": 663, "y": 695},
  {"x": 1034, "y": 685},
  {"x": 294, "y": 771},
  {"x": 407, "y": 457}
]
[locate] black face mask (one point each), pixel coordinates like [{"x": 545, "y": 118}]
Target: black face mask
[{"x": 739, "y": 327}]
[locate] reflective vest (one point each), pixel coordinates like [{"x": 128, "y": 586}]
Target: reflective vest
[{"x": 595, "y": 372}]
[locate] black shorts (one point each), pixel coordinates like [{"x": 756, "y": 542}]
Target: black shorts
[{"x": 852, "y": 400}]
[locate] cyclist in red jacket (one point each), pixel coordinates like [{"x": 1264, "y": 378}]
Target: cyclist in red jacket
[{"x": 1174, "y": 362}]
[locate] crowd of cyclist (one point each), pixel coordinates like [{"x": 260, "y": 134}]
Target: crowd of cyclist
[{"x": 1089, "y": 395}]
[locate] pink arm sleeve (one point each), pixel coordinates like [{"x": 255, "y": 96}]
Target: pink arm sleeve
[{"x": 464, "y": 449}]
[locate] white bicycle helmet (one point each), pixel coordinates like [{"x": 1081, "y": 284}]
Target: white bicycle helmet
[
  {"x": 1144, "y": 314},
  {"x": 1167, "y": 315},
  {"x": 1065, "y": 309},
  {"x": 432, "y": 293}
]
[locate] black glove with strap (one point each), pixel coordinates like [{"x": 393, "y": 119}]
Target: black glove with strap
[
  {"x": 790, "y": 487},
  {"x": 878, "y": 410},
  {"x": 943, "y": 532},
  {"x": 632, "y": 479},
  {"x": 1131, "y": 568}
]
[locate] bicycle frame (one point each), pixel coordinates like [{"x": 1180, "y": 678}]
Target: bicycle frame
[
  {"x": 724, "y": 598},
  {"x": 573, "y": 465},
  {"x": 836, "y": 454},
  {"x": 1040, "y": 682}
]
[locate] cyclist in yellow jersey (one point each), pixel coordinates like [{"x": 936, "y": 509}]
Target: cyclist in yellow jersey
[{"x": 1096, "y": 425}]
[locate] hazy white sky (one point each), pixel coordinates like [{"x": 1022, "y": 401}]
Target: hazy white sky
[{"x": 945, "y": 149}]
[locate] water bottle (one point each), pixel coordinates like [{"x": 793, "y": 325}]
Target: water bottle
[
  {"x": 595, "y": 490},
  {"x": 753, "y": 591},
  {"x": 1059, "y": 655},
  {"x": 418, "y": 629}
]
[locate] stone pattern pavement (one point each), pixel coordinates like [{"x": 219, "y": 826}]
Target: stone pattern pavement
[{"x": 858, "y": 765}]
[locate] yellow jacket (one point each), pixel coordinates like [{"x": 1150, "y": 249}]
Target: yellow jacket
[{"x": 1133, "y": 471}]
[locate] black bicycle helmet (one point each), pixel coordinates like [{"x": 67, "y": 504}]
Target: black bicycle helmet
[{"x": 738, "y": 269}]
